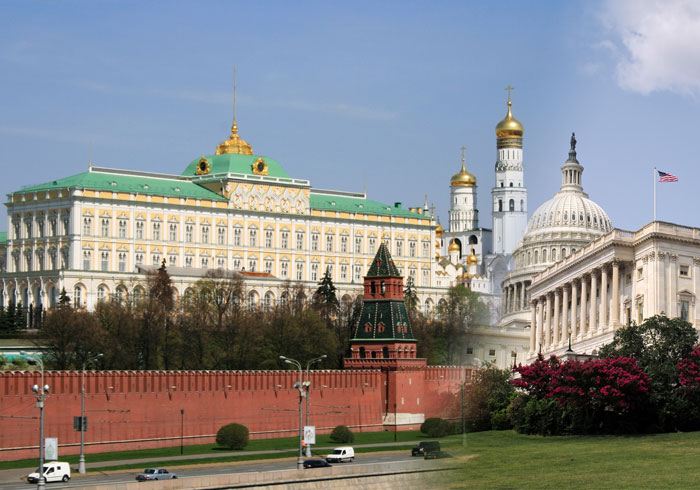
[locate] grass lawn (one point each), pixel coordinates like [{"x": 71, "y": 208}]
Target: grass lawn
[
  {"x": 504, "y": 459},
  {"x": 287, "y": 444}
]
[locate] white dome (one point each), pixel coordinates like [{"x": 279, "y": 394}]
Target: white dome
[
  {"x": 569, "y": 211},
  {"x": 562, "y": 225}
]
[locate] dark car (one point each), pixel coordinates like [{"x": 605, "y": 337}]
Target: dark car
[
  {"x": 425, "y": 447},
  {"x": 316, "y": 463},
  {"x": 437, "y": 455},
  {"x": 155, "y": 474}
]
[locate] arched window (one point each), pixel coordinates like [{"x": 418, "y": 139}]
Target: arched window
[
  {"x": 511, "y": 184},
  {"x": 374, "y": 354},
  {"x": 385, "y": 352},
  {"x": 511, "y": 205},
  {"x": 101, "y": 293},
  {"x": 363, "y": 354},
  {"x": 522, "y": 205},
  {"x": 77, "y": 297},
  {"x": 383, "y": 288},
  {"x": 500, "y": 204}
]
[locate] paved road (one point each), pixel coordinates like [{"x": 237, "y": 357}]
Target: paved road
[{"x": 78, "y": 480}]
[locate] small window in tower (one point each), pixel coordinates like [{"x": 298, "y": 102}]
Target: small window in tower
[
  {"x": 363, "y": 354},
  {"x": 368, "y": 327},
  {"x": 502, "y": 184},
  {"x": 500, "y": 203},
  {"x": 511, "y": 184},
  {"x": 511, "y": 205},
  {"x": 371, "y": 287},
  {"x": 385, "y": 352}
]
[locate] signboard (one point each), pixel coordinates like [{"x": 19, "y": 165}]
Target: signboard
[
  {"x": 51, "y": 448},
  {"x": 77, "y": 426},
  {"x": 310, "y": 434}
]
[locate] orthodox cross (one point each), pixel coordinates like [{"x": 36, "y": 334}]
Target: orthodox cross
[
  {"x": 463, "y": 148},
  {"x": 432, "y": 209},
  {"x": 509, "y": 89}
]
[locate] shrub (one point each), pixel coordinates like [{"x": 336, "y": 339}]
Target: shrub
[
  {"x": 233, "y": 436},
  {"x": 342, "y": 434},
  {"x": 436, "y": 427}
]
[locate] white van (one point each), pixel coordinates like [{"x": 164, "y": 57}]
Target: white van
[
  {"x": 341, "y": 454},
  {"x": 53, "y": 471}
]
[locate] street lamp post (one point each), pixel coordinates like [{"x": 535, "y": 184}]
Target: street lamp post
[
  {"x": 298, "y": 385},
  {"x": 308, "y": 395},
  {"x": 81, "y": 462},
  {"x": 182, "y": 430},
  {"x": 39, "y": 391}
]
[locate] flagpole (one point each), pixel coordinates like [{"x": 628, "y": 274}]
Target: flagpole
[{"x": 654, "y": 193}]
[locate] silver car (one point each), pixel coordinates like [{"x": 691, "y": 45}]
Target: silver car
[{"x": 155, "y": 474}]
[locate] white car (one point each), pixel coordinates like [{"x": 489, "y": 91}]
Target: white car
[
  {"x": 341, "y": 454},
  {"x": 53, "y": 471}
]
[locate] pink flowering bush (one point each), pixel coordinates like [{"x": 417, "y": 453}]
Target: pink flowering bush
[
  {"x": 600, "y": 395},
  {"x": 689, "y": 370}
]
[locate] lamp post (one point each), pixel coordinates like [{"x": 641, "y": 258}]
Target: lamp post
[
  {"x": 298, "y": 385},
  {"x": 182, "y": 430},
  {"x": 39, "y": 391},
  {"x": 81, "y": 462},
  {"x": 308, "y": 395}
]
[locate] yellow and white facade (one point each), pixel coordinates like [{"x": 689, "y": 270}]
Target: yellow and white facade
[{"x": 97, "y": 233}]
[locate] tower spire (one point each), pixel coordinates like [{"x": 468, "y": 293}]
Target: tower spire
[
  {"x": 234, "y": 144},
  {"x": 464, "y": 159}
]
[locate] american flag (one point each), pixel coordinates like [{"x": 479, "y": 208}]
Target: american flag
[{"x": 664, "y": 177}]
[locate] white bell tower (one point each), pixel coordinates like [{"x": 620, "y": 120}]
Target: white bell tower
[{"x": 509, "y": 194}]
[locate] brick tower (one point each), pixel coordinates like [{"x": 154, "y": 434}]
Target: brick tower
[{"x": 383, "y": 340}]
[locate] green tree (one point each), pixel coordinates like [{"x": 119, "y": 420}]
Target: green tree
[
  {"x": 658, "y": 344},
  {"x": 410, "y": 298},
  {"x": 488, "y": 397},
  {"x": 462, "y": 311},
  {"x": 325, "y": 299}
]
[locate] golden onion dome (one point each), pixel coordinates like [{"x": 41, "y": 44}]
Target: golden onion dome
[
  {"x": 509, "y": 127},
  {"x": 439, "y": 230},
  {"x": 472, "y": 260},
  {"x": 463, "y": 178},
  {"x": 453, "y": 246}
]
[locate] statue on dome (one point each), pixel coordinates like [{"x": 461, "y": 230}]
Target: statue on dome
[{"x": 573, "y": 141}]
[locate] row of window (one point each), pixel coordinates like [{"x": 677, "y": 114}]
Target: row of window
[
  {"x": 41, "y": 228},
  {"x": 237, "y": 263},
  {"x": 285, "y": 237}
]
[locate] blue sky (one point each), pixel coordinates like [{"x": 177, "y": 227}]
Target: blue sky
[{"x": 348, "y": 94}]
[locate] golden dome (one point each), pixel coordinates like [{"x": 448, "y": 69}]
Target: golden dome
[
  {"x": 439, "y": 230},
  {"x": 463, "y": 178},
  {"x": 453, "y": 246},
  {"x": 472, "y": 260},
  {"x": 509, "y": 127},
  {"x": 234, "y": 144}
]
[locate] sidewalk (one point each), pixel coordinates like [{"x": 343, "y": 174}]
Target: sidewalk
[{"x": 18, "y": 473}]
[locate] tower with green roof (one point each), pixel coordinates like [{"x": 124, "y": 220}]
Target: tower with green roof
[{"x": 382, "y": 337}]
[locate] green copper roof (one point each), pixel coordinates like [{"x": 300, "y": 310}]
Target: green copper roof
[
  {"x": 383, "y": 264},
  {"x": 3, "y": 237},
  {"x": 235, "y": 163},
  {"x": 383, "y": 320},
  {"x": 117, "y": 182},
  {"x": 358, "y": 205}
]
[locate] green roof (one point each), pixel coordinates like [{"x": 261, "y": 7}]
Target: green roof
[
  {"x": 383, "y": 264},
  {"x": 329, "y": 202},
  {"x": 3, "y": 237},
  {"x": 117, "y": 182},
  {"x": 235, "y": 163},
  {"x": 383, "y": 320}
]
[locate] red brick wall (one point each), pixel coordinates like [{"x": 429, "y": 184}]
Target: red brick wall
[{"x": 141, "y": 409}]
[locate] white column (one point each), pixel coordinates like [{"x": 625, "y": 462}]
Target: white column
[
  {"x": 592, "y": 322},
  {"x": 615, "y": 320},
  {"x": 540, "y": 308},
  {"x": 565, "y": 315},
  {"x": 583, "y": 328},
  {"x": 575, "y": 330},
  {"x": 521, "y": 306},
  {"x": 672, "y": 286},
  {"x": 533, "y": 328},
  {"x": 557, "y": 340},
  {"x": 604, "y": 321},
  {"x": 548, "y": 324}
]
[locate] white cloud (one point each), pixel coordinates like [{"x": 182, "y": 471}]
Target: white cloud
[{"x": 661, "y": 41}]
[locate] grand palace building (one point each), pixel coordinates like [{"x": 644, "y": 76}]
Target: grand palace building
[{"x": 96, "y": 234}]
